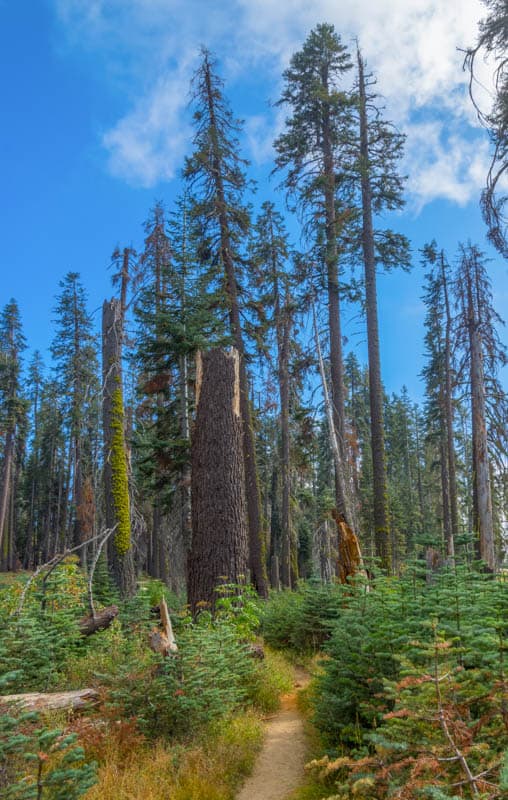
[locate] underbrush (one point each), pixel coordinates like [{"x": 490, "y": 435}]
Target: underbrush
[
  {"x": 301, "y": 621},
  {"x": 412, "y": 700},
  {"x": 191, "y": 717}
]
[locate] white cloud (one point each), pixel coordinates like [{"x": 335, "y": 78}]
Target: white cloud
[
  {"x": 412, "y": 45},
  {"x": 443, "y": 165}
]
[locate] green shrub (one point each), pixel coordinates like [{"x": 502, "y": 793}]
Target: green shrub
[
  {"x": 302, "y": 620},
  {"x": 206, "y": 679},
  {"x": 39, "y": 762}
]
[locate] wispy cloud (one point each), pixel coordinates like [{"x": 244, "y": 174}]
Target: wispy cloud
[{"x": 412, "y": 45}]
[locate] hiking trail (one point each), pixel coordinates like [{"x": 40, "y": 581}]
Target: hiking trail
[{"x": 279, "y": 768}]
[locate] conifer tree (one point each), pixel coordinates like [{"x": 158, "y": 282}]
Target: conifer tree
[
  {"x": 215, "y": 173},
  {"x": 74, "y": 350},
  {"x": 271, "y": 262},
  {"x": 310, "y": 151},
  {"x": 35, "y": 386},
  {"x": 380, "y": 147},
  {"x": 483, "y": 355},
  {"x": 154, "y": 385},
  {"x": 12, "y": 410},
  {"x": 439, "y": 377}
]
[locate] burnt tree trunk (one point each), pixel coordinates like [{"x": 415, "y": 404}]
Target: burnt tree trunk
[
  {"x": 219, "y": 550},
  {"x": 116, "y": 493}
]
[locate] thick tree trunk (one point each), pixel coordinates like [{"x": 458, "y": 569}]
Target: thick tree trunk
[
  {"x": 219, "y": 551},
  {"x": 115, "y": 459},
  {"x": 381, "y": 516},
  {"x": 257, "y": 545}
]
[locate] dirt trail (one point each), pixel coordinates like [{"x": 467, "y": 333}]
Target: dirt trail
[{"x": 279, "y": 767}]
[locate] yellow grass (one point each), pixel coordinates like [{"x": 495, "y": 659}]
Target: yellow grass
[{"x": 212, "y": 770}]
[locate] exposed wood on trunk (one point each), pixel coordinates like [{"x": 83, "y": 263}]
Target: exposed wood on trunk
[
  {"x": 78, "y": 700},
  {"x": 219, "y": 550},
  {"x": 99, "y": 621},
  {"x": 350, "y": 556},
  {"x": 163, "y": 641}
]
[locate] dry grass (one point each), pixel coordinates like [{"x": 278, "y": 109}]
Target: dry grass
[{"x": 212, "y": 770}]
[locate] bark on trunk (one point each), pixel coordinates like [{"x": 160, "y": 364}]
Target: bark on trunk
[
  {"x": 285, "y": 466},
  {"x": 381, "y": 517},
  {"x": 450, "y": 443},
  {"x": 99, "y": 621},
  {"x": 219, "y": 551},
  {"x": 482, "y": 506},
  {"x": 6, "y": 483},
  {"x": 115, "y": 457}
]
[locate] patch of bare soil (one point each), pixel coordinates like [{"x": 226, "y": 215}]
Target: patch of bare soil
[{"x": 279, "y": 768}]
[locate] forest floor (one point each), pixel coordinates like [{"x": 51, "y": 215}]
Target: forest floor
[{"x": 279, "y": 768}]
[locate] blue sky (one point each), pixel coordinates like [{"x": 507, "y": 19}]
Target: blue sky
[{"x": 96, "y": 124}]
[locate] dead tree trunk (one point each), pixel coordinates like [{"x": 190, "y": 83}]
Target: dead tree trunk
[
  {"x": 219, "y": 550},
  {"x": 77, "y": 700}
]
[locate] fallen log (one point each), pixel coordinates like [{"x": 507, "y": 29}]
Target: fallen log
[
  {"x": 77, "y": 700},
  {"x": 99, "y": 621}
]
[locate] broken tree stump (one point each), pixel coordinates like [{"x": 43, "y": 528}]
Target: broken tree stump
[{"x": 163, "y": 641}]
